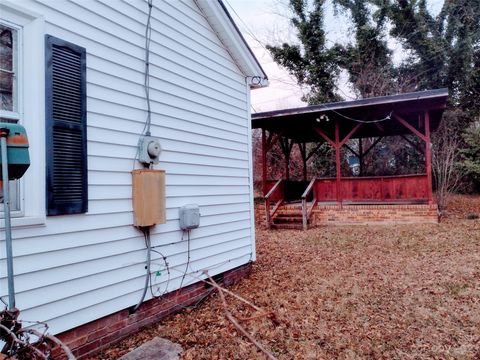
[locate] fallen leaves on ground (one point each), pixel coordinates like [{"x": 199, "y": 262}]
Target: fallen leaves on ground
[{"x": 356, "y": 292}]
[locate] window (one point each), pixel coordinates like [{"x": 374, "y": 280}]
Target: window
[
  {"x": 21, "y": 58},
  {"x": 9, "y": 95},
  {"x": 9, "y": 70}
]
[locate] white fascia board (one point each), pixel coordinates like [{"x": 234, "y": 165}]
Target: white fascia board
[
  {"x": 223, "y": 25},
  {"x": 13, "y": 7}
]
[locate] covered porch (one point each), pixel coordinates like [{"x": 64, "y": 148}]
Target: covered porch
[{"x": 347, "y": 126}]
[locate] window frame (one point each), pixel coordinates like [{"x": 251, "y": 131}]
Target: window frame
[
  {"x": 17, "y": 113},
  {"x": 17, "y": 204},
  {"x": 31, "y": 109}
]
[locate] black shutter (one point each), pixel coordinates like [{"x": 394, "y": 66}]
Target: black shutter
[{"x": 66, "y": 127}]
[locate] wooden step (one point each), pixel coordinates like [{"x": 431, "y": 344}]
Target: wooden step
[
  {"x": 288, "y": 211},
  {"x": 288, "y": 216},
  {"x": 288, "y": 220},
  {"x": 291, "y": 226},
  {"x": 282, "y": 216}
]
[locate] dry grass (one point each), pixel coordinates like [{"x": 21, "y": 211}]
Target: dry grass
[{"x": 365, "y": 292}]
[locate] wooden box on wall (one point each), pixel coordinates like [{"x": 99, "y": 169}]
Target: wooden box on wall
[{"x": 148, "y": 196}]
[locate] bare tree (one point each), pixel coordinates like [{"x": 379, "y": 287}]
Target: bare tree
[{"x": 446, "y": 159}]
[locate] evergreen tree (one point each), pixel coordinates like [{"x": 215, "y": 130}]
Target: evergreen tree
[
  {"x": 444, "y": 50},
  {"x": 367, "y": 58},
  {"x": 310, "y": 61}
]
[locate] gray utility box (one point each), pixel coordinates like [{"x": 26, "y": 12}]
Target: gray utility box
[
  {"x": 149, "y": 150},
  {"x": 189, "y": 217}
]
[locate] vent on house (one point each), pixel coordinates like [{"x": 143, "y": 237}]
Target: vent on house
[{"x": 66, "y": 131}]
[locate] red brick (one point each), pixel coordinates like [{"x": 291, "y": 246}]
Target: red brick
[
  {"x": 77, "y": 342},
  {"x": 99, "y": 334},
  {"x": 68, "y": 336},
  {"x": 92, "y": 337},
  {"x": 86, "y": 349}
]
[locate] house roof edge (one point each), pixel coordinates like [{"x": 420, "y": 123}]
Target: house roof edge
[{"x": 229, "y": 34}]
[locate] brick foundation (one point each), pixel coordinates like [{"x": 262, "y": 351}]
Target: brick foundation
[
  {"x": 259, "y": 214},
  {"x": 362, "y": 214},
  {"x": 374, "y": 214},
  {"x": 96, "y": 335}
]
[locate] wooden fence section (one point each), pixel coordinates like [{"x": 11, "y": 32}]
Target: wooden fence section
[{"x": 412, "y": 188}]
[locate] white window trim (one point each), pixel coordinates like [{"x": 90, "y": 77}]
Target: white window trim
[
  {"x": 16, "y": 114},
  {"x": 31, "y": 93}
]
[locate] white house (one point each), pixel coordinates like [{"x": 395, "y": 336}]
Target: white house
[{"x": 73, "y": 74}]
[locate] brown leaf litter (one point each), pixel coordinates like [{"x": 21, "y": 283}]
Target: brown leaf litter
[{"x": 356, "y": 292}]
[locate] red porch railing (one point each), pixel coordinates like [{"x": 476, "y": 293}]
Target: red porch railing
[{"x": 403, "y": 188}]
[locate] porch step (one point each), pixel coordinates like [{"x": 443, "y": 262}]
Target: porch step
[
  {"x": 292, "y": 226},
  {"x": 288, "y": 218},
  {"x": 292, "y": 214}
]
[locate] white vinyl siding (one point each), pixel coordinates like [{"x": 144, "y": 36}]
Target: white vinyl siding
[{"x": 78, "y": 268}]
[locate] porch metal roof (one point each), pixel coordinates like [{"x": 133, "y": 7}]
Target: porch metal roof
[{"x": 376, "y": 115}]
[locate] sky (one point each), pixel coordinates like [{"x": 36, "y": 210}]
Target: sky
[
  {"x": 261, "y": 23},
  {"x": 266, "y": 22}
]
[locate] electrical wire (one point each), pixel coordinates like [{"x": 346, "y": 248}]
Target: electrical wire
[
  {"x": 146, "y": 131},
  {"x": 255, "y": 80},
  {"x": 388, "y": 117},
  {"x": 188, "y": 258},
  {"x": 196, "y": 277},
  {"x": 247, "y": 29},
  {"x": 146, "y": 84},
  {"x": 146, "y": 234},
  {"x": 200, "y": 273},
  {"x": 168, "y": 278}
]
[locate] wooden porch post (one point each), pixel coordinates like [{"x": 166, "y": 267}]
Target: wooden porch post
[
  {"x": 287, "y": 146},
  {"x": 264, "y": 162},
  {"x": 287, "y": 166},
  {"x": 305, "y": 174},
  {"x": 337, "y": 145},
  {"x": 360, "y": 155},
  {"x": 428, "y": 157},
  {"x": 337, "y": 158},
  {"x": 303, "y": 153}
]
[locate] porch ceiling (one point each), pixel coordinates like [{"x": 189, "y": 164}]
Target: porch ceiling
[{"x": 299, "y": 123}]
